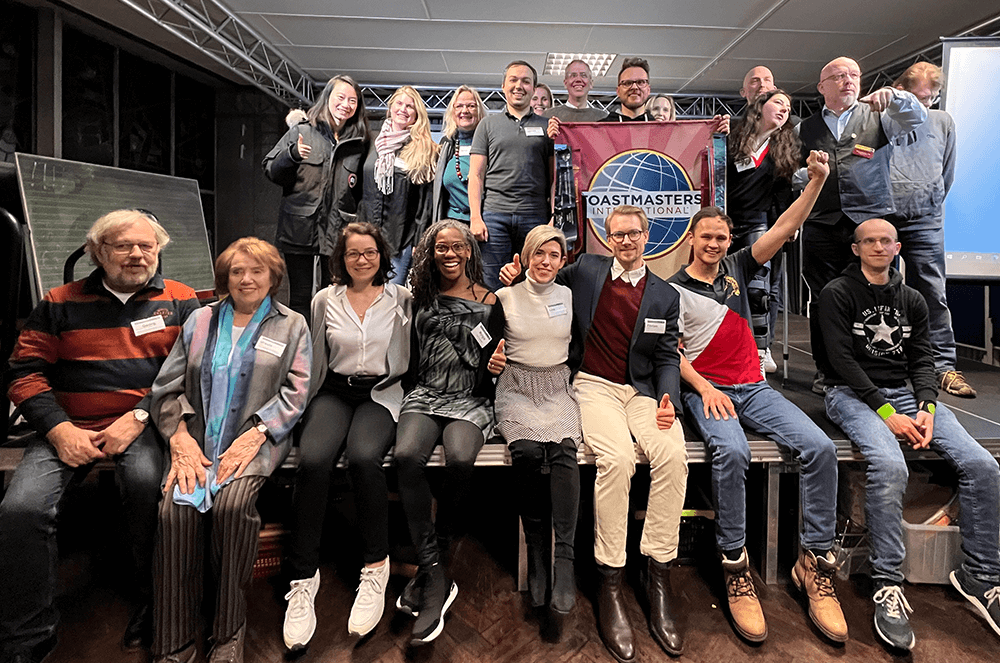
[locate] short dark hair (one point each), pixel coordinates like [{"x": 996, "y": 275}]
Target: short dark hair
[
  {"x": 338, "y": 263},
  {"x": 522, "y": 63},
  {"x": 628, "y": 63},
  {"x": 711, "y": 212}
]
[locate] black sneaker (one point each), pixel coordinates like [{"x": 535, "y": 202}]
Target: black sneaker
[
  {"x": 409, "y": 600},
  {"x": 981, "y": 595},
  {"x": 439, "y": 593},
  {"x": 892, "y": 622}
]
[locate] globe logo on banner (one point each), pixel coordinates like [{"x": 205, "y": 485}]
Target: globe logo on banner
[{"x": 650, "y": 180}]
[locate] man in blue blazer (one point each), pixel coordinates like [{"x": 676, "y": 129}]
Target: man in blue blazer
[{"x": 627, "y": 378}]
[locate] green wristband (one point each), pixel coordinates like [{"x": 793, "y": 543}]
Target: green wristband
[
  {"x": 886, "y": 411},
  {"x": 928, "y": 407}
]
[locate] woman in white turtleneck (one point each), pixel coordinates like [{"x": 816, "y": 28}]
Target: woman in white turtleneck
[{"x": 538, "y": 415}]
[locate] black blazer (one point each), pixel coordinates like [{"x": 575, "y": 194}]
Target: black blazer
[{"x": 653, "y": 360}]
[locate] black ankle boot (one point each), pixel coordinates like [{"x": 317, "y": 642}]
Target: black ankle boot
[
  {"x": 563, "y": 586},
  {"x": 662, "y": 622},
  {"x": 612, "y": 622},
  {"x": 538, "y": 574}
]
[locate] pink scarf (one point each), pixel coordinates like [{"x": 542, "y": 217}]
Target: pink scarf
[{"x": 387, "y": 144}]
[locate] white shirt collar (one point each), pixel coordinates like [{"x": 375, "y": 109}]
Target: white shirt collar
[
  {"x": 632, "y": 278},
  {"x": 586, "y": 104}
]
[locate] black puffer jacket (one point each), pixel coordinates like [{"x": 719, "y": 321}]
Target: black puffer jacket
[{"x": 319, "y": 194}]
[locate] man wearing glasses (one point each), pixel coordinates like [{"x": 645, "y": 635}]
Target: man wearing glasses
[
  {"x": 922, "y": 173},
  {"x": 858, "y": 134},
  {"x": 81, "y": 373},
  {"x": 579, "y": 80},
  {"x": 633, "y": 91}
]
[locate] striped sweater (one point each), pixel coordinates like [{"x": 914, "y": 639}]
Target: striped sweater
[{"x": 79, "y": 359}]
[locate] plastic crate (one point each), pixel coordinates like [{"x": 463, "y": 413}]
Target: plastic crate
[{"x": 932, "y": 552}]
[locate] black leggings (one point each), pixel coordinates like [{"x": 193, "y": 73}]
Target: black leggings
[
  {"x": 334, "y": 416},
  {"x": 416, "y": 438},
  {"x": 299, "y": 267},
  {"x": 547, "y": 478}
]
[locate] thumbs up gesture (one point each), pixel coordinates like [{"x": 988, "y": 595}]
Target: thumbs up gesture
[
  {"x": 303, "y": 149},
  {"x": 665, "y": 415},
  {"x": 511, "y": 270},
  {"x": 498, "y": 359}
]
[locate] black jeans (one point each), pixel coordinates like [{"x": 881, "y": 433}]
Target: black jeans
[
  {"x": 416, "y": 438},
  {"x": 340, "y": 414},
  {"x": 826, "y": 252},
  {"x": 300, "y": 280},
  {"x": 547, "y": 477}
]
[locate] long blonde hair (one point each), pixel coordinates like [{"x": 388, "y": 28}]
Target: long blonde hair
[
  {"x": 420, "y": 153},
  {"x": 450, "y": 126}
]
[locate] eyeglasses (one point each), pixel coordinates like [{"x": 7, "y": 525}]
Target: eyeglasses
[
  {"x": 886, "y": 242},
  {"x": 370, "y": 255},
  {"x": 456, "y": 247},
  {"x": 619, "y": 237},
  {"x": 125, "y": 248},
  {"x": 578, "y": 74},
  {"x": 466, "y": 107},
  {"x": 639, "y": 83},
  {"x": 842, "y": 77}
]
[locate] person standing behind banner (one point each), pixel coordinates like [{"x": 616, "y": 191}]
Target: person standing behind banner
[
  {"x": 538, "y": 414},
  {"x": 511, "y": 174},
  {"x": 579, "y": 81},
  {"x": 662, "y": 108},
  {"x": 317, "y": 163},
  {"x": 762, "y": 156},
  {"x": 451, "y": 177},
  {"x": 398, "y": 177},
  {"x": 541, "y": 100}
]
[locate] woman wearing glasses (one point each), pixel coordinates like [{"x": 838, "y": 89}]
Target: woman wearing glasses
[
  {"x": 361, "y": 348},
  {"x": 451, "y": 178},
  {"x": 456, "y": 350}
]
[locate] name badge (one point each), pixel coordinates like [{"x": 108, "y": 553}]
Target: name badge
[
  {"x": 655, "y": 326},
  {"x": 534, "y": 131},
  {"x": 148, "y": 325},
  {"x": 270, "y": 346},
  {"x": 555, "y": 310},
  {"x": 744, "y": 164},
  {"x": 464, "y": 150},
  {"x": 863, "y": 151},
  {"x": 482, "y": 336}
]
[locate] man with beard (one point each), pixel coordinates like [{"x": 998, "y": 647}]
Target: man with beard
[
  {"x": 633, "y": 91},
  {"x": 81, "y": 373}
]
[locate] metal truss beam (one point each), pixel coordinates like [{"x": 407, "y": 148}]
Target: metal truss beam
[{"x": 226, "y": 39}]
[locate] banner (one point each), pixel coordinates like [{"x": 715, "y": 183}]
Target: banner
[{"x": 669, "y": 169}]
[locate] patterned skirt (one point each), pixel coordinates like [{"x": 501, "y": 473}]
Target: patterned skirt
[{"x": 537, "y": 404}]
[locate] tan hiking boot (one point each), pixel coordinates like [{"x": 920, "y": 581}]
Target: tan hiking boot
[
  {"x": 954, "y": 383},
  {"x": 814, "y": 575},
  {"x": 748, "y": 618}
]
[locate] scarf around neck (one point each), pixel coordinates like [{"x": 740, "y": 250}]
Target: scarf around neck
[{"x": 387, "y": 144}]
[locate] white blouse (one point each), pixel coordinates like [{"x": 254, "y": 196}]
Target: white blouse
[{"x": 360, "y": 347}]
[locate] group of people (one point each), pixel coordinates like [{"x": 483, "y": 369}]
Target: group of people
[{"x": 448, "y": 308}]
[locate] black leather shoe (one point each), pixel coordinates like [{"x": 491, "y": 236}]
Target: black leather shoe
[
  {"x": 139, "y": 632},
  {"x": 662, "y": 623},
  {"x": 612, "y": 622}
]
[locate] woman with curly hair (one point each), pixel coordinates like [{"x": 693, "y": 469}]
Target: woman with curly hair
[
  {"x": 455, "y": 351},
  {"x": 763, "y": 153},
  {"x": 398, "y": 175}
]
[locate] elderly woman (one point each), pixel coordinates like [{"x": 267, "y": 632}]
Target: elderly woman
[
  {"x": 227, "y": 397},
  {"x": 451, "y": 178},
  {"x": 537, "y": 413},
  {"x": 318, "y": 163},
  {"x": 456, "y": 351},
  {"x": 398, "y": 174},
  {"x": 361, "y": 349}
]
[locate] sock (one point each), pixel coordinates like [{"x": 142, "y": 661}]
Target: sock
[{"x": 732, "y": 555}]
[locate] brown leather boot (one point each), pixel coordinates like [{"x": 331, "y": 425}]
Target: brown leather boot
[
  {"x": 814, "y": 575},
  {"x": 662, "y": 622},
  {"x": 612, "y": 622},
  {"x": 744, "y": 607}
]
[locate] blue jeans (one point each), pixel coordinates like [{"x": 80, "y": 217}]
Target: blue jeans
[
  {"x": 401, "y": 266},
  {"x": 28, "y": 516},
  {"x": 978, "y": 481},
  {"x": 763, "y": 410},
  {"x": 506, "y": 237},
  {"x": 923, "y": 251}
]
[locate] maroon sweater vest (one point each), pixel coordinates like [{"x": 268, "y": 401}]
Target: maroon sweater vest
[{"x": 605, "y": 353}]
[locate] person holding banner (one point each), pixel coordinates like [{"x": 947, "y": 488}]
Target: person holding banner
[
  {"x": 627, "y": 379},
  {"x": 633, "y": 91}
]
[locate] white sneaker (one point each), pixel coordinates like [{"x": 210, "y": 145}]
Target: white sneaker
[
  {"x": 370, "y": 601},
  {"x": 763, "y": 373},
  {"x": 300, "y": 615},
  {"x": 769, "y": 365}
]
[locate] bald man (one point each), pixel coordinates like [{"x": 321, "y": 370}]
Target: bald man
[
  {"x": 858, "y": 134},
  {"x": 875, "y": 332},
  {"x": 757, "y": 81}
]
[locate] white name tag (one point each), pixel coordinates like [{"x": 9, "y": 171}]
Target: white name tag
[
  {"x": 482, "y": 336},
  {"x": 557, "y": 309},
  {"x": 534, "y": 131},
  {"x": 464, "y": 150},
  {"x": 655, "y": 326},
  {"x": 270, "y": 346},
  {"x": 148, "y": 325},
  {"x": 744, "y": 164},
  {"x": 399, "y": 163}
]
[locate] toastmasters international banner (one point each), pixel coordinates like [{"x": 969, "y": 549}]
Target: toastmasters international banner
[{"x": 669, "y": 169}]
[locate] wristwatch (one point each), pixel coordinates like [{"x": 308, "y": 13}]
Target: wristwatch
[{"x": 141, "y": 416}]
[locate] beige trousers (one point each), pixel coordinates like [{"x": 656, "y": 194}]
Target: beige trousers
[{"x": 613, "y": 414}]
